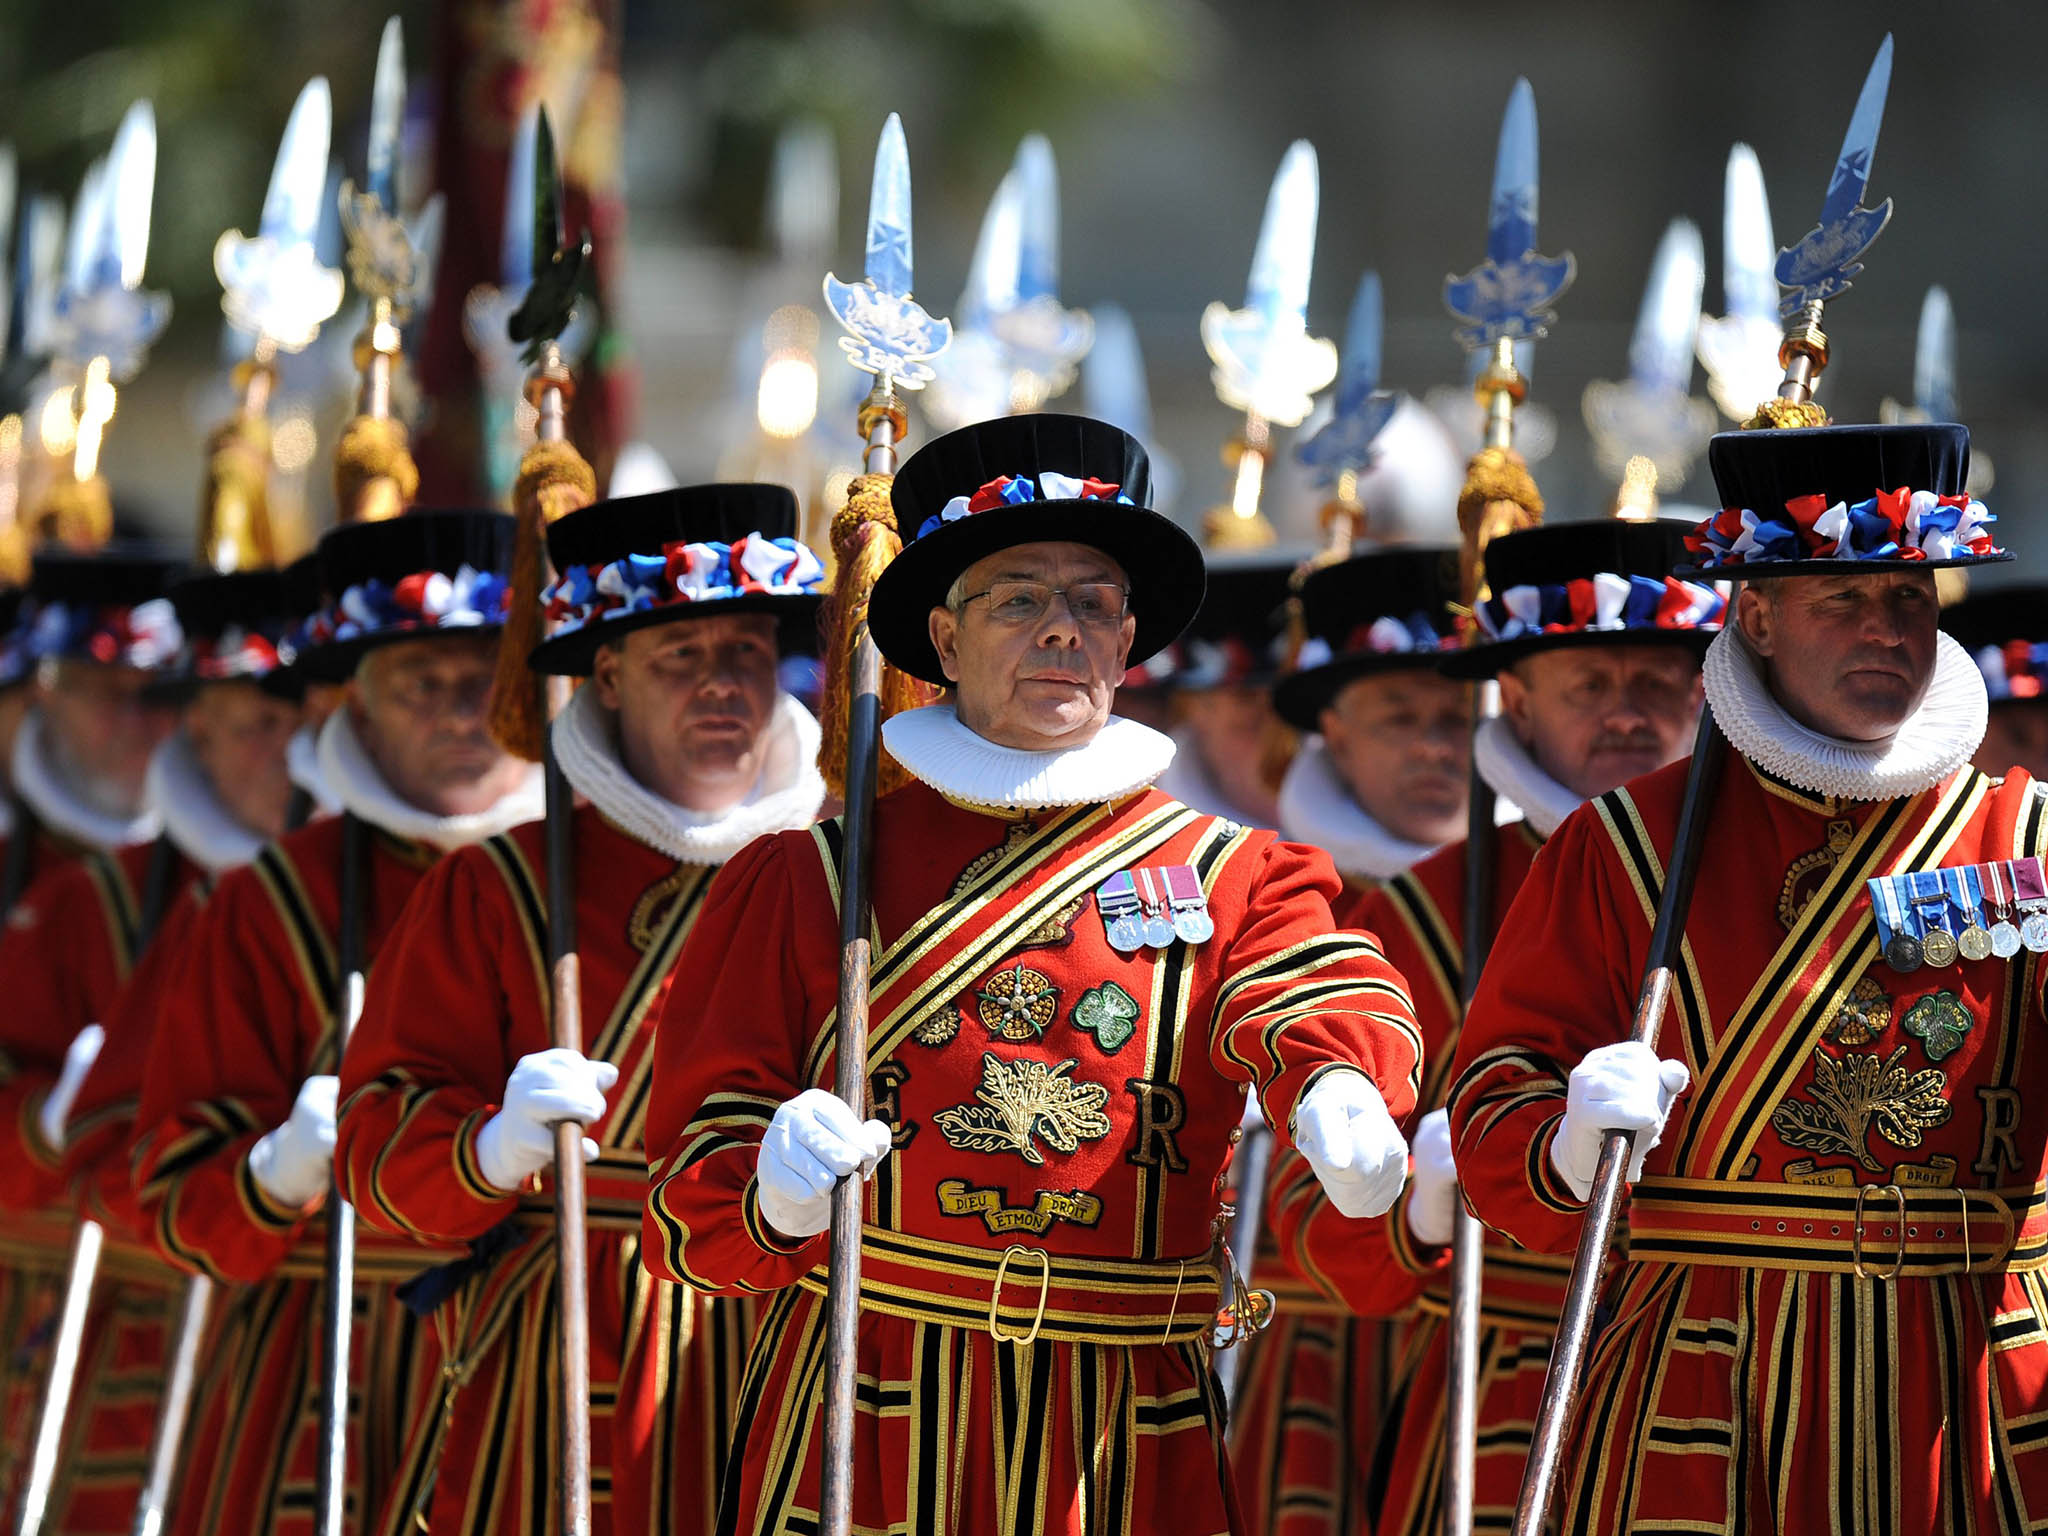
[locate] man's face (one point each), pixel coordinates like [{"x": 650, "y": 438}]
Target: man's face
[
  {"x": 693, "y": 702},
  {"x": 1849, "y": 656},
  {"x": 1403, "y": 742},
  {"x": 239, "y": 734},
  {"x": 420, "y": 707},
  {"x": 104, "y": 722},
  {"x": 1595, "y": 717},
  {"x": 1039, "y": 680},
  {"x": 2016, "y": 737}
]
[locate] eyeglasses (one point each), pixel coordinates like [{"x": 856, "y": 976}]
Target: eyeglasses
[{"x": 1094, "y": 604}]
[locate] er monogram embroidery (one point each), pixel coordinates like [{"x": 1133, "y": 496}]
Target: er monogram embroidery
[
  {"x": 1022, "y": 1102},
  {"x": 1850, "y": 1093},
  {"x": 1017, "y": 1004},
  {"x": 1109, "y": 1013}
]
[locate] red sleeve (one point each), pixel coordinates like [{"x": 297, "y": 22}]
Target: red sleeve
[
  {"x": 424, "y": 1069},
  {"x": 1303, "y": 996},
  {"x": 1561, "y": 980},
  {"x": 57, "y": 958},
  {"x": 101, "y": 1130},
  {"x": 729, "y": 1052},
  {"x": 233, "y": 1044}
]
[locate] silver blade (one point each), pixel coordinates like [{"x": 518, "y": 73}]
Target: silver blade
[
  {"x": 1281, "y": 264},
  {"x": 890, "y": 263},
  {"x": 1859, "y": 144},
  {"x": 1660, "y": 353},
  {"x": 803, "y": 194},
  {"x": 515, "y": 248},
  {"x": 1934, "y": 357},
  {"x": 1359, "y": 375},
  {"x": 298, "y": 181},
  {"x": 992, "y": 272},
  {"x": 1038, "y": 207},
  {"x": 1748, "y": 248},
  {"x": 387, "y": 118},
  {"x": 1113, "y": 385},
  {"x": 1511, "y": 210},
  {"x": 84, "y": 234},
  {"x": 130, "y": 187}
]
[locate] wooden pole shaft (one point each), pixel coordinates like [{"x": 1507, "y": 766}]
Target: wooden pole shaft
[
  {"x": 572, "y": 1258},
  {"x": 55, "y": 1405},
  {"x": 1575, "y": 1325}
]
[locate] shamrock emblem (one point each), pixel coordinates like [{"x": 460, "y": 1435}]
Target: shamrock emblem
[
  {"x": 1940, "y": 1022},
  {"x": 1109, "y": 1013}
]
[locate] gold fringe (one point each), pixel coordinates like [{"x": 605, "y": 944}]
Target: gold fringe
[
  {"x": 78, "y": 514},
  {"x": 864, "y": 541},
  {"x": 554, "y": 480},
  {"x": 1774, "y": 414},
  {"x": 374, "y": 475},
  {"x": 1500, "y": 496},
  {"x": 234, "y": 505}
]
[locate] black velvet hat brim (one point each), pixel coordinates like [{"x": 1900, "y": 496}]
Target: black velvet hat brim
[
  {"x": 336, "y": 661},
  {"x": 1476, "y": 663},
  {"x": 575, "y": 654},
  {"x": 1772, "y": 570}
]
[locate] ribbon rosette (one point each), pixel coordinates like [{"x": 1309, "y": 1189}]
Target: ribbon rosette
[
  {"x": 238, "y": 652},
  {"x": 146, "y": 636},
  {"x": 1899, "y": 524},
  {"x": 1605, "y": 602},
  {"x": 1015, "y": 490},
  {"x": 423, "y": 600},
  {"x": 753, "y": 565}
]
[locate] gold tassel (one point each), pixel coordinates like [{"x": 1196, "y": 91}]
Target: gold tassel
[
  {"x": 1774, "y": 414},
  {"x": 78, "y": 514},
  {"x": 554, "y": 480},
  {"x": 864, "y": 541},
  {"x": 234, "y": 506},
  {"x": 374, "y": 475},
  {"x": 1500, "y": 496}
]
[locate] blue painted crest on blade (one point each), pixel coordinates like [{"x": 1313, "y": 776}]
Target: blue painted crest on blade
[
  {"x": 387, "y": 117},
  {"x": 1511, "y": 212},
  {"x": 1934, "y": 357},
  {"x": 890, "y": 263},
  {"x": 1361, "y": 409},
  {"x": 1820, "y": 266}
]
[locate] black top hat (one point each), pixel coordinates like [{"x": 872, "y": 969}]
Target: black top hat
[
  {"x": 690, "y": 552},
  {"x": 16, "y": 665},
  {"x": 1236, "y": 638},
  {"x": 413, "y": 577},
  {"x": 1601, "y": 582},
  {"x": 106, "y": 606},
  {"x": 2006, "y": 634},
  {"x": 238, "y": 625},
  {"x": 1029, "y": 480},
  {"x": 1387, "y": 611},
  {"x": 1841, "y": 500}
]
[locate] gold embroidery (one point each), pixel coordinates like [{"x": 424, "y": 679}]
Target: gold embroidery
[
  {"x": 1016, "y": 1005},
  {"x": 1022, "y": 1101},
  {"x": 1805, "y": 1171},
  {"x": 1807, "y": 872},
  {"x": 958, "y": 1198},
  {"x": 1938, "y": 1172},
  {"x": 645, "y": 923},
  {"x": 1851, "y": 1091},
  {"x": 940, "y": 1028},
  {"x": 1057, "y": 928},
  {"x": 1863, "y": 1015}
]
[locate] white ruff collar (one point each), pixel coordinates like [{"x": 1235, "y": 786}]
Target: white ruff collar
[
  {"x": 302, "y": 762},
  {"x": 1188, "y": 779},
  {"x": 346, "y": 765},
  {"x": 1932, "y": 743},
  {"x": 1318, "y": 808},
  {"x": 35, "y": 780},
  {"x": 786, "y": 795},
  {"x": 195, "y": 821},
  {"x": 1515, "y": 776},
  {"x": 933, "y": 745}
]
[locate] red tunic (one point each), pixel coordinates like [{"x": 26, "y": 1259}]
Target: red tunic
[
  {"x": 1063, "y": 1115},
  {"x": 67, "y": 953},
  {"x": 1745, "y": 1378},
  {"x": 251, "y": 1019},
  {"x": 459, "y": 997}
]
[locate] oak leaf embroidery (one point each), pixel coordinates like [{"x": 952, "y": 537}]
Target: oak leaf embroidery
[
  {"x": 1852, "y": 1091},
  {"x": 1021, "y": 1102}
]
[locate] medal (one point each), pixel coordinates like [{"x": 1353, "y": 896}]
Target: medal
[
  {"x": 1191, "y": 920},
  {"x": 2005, "y": 933},
  {"x": 1117, "y": 901},
  {"x": 1158, "y": 928},
  {"x": 1902, "y": 953},
  {"x": 2032, "y": 900},
  {"x": 1974, "y": 942},
  {"x": 1901, "y": 948},
  {"x": 1930, "y": 911},
  {"x": 2034, "y": 930}
]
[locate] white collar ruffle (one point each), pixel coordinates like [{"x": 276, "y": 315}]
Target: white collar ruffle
[
  {"x": 1188, "y": 779},
  {"x": 1317, "y": 807},
  {"x": 787, "y": 794},
  {"x": 195, "y": 821},
  {"x": 1508, "y": 769},
  {"x": 302, "y": 762},
  {"x": 1933, "y": 742},
  {"x": 345, "y": 765},
  {"x": 935, "y": 747},
  {"x": 36, "y": 781}
]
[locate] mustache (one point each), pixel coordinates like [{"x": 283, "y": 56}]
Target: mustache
[{"x": 1626, "y": 741}]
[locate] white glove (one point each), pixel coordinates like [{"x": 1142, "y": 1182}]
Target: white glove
[
  {"x": 1625, "y": 1087},
  {"x": 79, "y": 1056},
  {"x": 544, "y": 1089},
  {"x": 1342, "y": 1127},
  {"x": 294, "y": 1164},
  {"x": 1433, "y": 1182},
  {"x": 813, "y": 1142}
]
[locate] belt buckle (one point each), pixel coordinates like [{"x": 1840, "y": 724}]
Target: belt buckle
[
  {"x": 995, "y": 1295},
  {"x": 1863, "y": 1271}
]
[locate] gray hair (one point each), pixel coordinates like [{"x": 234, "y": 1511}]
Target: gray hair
[{"x": 956, "y": 594}]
